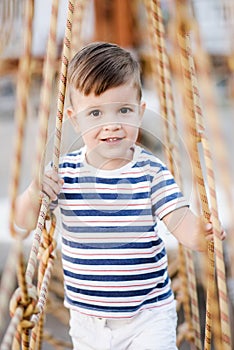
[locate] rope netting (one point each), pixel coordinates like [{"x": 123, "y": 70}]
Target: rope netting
[
  {"x": 215, "y": 249},
  {"x": 217, "y": 322},
  {"x": 28, "y": 303},
  {"x": 9, "y": 10},
  {"x": 190, "y": 330}
]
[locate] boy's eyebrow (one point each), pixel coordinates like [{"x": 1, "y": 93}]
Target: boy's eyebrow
[{"x": 111, "y": 103}]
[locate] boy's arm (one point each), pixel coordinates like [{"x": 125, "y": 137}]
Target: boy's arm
[
  {"x": 186, "y": 227},
  {"x": 29, "y": 202}
]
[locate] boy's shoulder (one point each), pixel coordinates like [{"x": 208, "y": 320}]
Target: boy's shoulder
[
  {"x": 71, "y": 159},
  {"x": 147, "y": 158}
]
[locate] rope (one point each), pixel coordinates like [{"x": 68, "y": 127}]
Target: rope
[
  {"x": 22, "y": 91},
  {"x": 44, "y": 111},
  {"x": 214, "y": 127},
  {"x": 62, "y": 86},
  {"x": 168, "y": 113},
  {"x": 8, "y": 13},
  {"x": 7, "y": 285},
  {"x": 20, "y": 118},
  {"x": 46, "y": 93},
  {"x": 192, "y": 91},
  {"x": 18, "y": 314},
  {"x": 218, "y": 248},
  {"x": 198, "y": 177},
  {"x": 79, "y": 10},
  {"x": 183, "y": 24}
]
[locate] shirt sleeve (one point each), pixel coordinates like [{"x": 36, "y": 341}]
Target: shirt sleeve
[{"x": 166, "y": 195}]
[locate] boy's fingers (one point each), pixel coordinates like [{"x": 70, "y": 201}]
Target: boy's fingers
[
  {"x": 49, "y": 191},
  {"x": 209, "y": 232},
  {"x": 53, "y": 175},
  {"x": 208, "y": 227},
  {"x": 52, "y": 184}
]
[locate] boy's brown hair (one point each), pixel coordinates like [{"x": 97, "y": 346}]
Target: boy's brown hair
[{"x": 100, "y": 66}]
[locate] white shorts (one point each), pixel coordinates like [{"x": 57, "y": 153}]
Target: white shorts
[{"x": 149, "y": 330}]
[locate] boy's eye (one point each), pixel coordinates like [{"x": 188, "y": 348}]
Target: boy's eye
[
  {"x": 124, "y": 110},
  {"x": 95, "y": 113}
]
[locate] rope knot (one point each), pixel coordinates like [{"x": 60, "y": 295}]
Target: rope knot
[
  {"x": 48, "y": 243},
  {"x": 27, "y": 303}
]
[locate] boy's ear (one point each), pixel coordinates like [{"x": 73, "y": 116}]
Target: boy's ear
[{"x": 72, "y": 118}]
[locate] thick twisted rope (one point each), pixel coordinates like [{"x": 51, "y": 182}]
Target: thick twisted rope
[
  {"x": 192, "y": 144},
  {"x": 8, "y": 13},
  {"x": 221, "y": 155},
  {"x": 20, "y": 119},
  {"x": 43, "y": 123},
  {"x": 57, "y": 142},
  {"x": 78, "y": 16},
  {"x": 44, "y": 111},
  {"x": 46, "y": 258},
  {"x": 7, "y": 285},
  {"x": 46, "y": 93},
  {"x": 188, "y": 69},
  {"x": 162, "y": 73},
  {"x": 62, "y": 86},
  {"x": 168, "y": 113},
  {"x": 45, "y": 203},
  {"x": 22, "y": 91},
  {"x": 218, "y": 248},
  {"x": 183, "y": 25}
]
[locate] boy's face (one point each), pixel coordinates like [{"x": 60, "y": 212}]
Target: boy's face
[{"x": 109, "y": 124}]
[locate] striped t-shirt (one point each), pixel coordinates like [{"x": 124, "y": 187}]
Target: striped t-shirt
[{"x": 114, "y": 261}]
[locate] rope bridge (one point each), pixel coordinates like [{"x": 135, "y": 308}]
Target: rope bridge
[{"x": 28, "y": 304}]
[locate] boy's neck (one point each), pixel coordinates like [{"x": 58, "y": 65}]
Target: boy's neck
[{"x": 110, "y": 164}]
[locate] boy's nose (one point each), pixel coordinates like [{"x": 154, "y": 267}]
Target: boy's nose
[{"x": 112, "y": 126}]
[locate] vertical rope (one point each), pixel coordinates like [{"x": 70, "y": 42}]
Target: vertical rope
[
  {"x": 44, "y": 112},
  {"x": 7, "y": 16},
  {"x": 79, "y": 10},
  {"x": 57, "y": 140},
  {"x": 163, "y": 77},
  {"x": 44, "y": 207},
  {"x": 46, "y": 93},
  {"x": 184, "y": 281},
  {"x": 188, "y": 66},
  {"x": 62, "y": 86},
  {"x": 193, "y": 140},
  {"x": 168, "y": 113},
  {"x": 194, "y": 298},
  {"x": 218, "y": 247},
  {"x": 214, "y": 127},
  {"x": 22, "y": 90},
  {"x": 7, "y": 285}
]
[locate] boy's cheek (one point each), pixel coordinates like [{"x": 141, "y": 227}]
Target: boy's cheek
[{"x": 75, "y": 123}]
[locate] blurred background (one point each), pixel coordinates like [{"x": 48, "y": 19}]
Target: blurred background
[{"x": 123, "y": 22}]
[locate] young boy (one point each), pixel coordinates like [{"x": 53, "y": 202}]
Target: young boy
[{"x": 111, "y": 193}]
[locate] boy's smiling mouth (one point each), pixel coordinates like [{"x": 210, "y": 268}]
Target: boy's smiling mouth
[{"x": 112, "y": 139}]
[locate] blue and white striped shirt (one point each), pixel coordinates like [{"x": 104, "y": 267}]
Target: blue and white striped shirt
[{"x": 114, "y": 261}]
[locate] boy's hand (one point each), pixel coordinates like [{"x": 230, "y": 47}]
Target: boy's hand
[
  {"x": 52, "y": 184},
  {"x": 209, "y": 234}
]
